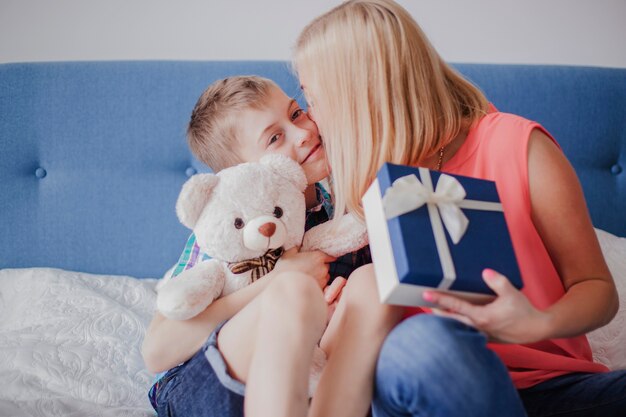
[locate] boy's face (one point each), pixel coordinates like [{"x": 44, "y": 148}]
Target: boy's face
[{"x": 282, "y": 127}]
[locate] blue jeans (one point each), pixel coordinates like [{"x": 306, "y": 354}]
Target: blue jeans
[
  {"x": 578, "y": 395},
  {"x": 435, "y": 366},
  {"x": 201, "y": 387}
]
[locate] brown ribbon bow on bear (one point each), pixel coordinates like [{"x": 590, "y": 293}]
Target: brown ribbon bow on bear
[{"x": 259, "y": 266}]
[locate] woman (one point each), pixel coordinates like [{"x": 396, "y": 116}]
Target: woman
[{"x": 380, "y": 93}]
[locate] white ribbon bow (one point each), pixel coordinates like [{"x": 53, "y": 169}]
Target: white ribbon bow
[
  {"x": 408, "y": 193},
  {"x": 444, "y": 205}
]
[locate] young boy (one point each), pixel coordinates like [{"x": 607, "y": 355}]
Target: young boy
[
  {"x": 240, "y": 119},
  {"x": 213, "y": 135}
]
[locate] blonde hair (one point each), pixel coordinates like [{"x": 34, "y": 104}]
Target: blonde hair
[
  {"x": 212, "y": 130},
  {"x": 382, "y": 93}
]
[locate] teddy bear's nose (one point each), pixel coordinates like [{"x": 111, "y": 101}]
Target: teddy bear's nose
[{"x": 267, "y": 229}]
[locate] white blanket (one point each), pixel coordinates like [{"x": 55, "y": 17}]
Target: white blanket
[
  {"x": 69, "y": 342},
  {"x": 608, "y": 343}
]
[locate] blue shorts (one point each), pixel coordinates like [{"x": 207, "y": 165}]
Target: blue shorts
[{"x": 199, "y": 387}]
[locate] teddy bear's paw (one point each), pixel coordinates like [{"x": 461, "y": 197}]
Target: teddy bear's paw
[
  {"x": 337, "y": 240},
  {"x": 178, "y": 311},
  {"x": 176, "y": 307},
  {"x": 317, "y": 367},
  {"x": 189, "y": 293}
]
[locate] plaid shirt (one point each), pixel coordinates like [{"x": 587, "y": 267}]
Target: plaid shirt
[{"x": 319, "y": 214}]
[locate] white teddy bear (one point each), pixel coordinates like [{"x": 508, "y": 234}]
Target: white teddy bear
[{"x": 244, "y": 217}]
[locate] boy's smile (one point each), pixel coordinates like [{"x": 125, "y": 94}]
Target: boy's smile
[
  {"x": 280, "y": 126},
  {"x": 316, "y": 152}
]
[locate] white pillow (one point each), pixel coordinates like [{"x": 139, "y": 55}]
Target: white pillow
[
  {"x": 608, "y": 343},
  {"x": 70, "y": 343}
]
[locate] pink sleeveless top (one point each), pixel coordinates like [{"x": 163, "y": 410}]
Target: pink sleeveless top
[{"x": 496, "y": 150}]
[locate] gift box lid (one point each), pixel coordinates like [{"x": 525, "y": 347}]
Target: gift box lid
[{"x": 485, "y": 244}]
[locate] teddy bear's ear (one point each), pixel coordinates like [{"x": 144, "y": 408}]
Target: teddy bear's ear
[
  {"x": 286, "y": 168},
  {"x": 194, "y": 197}
]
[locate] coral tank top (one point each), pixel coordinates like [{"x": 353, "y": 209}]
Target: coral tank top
[{"x": 496, "y": 149}]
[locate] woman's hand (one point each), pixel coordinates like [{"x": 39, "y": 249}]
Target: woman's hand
[
  {"x": 314, "y": 263},
  {"x": 510, "y": 318}
]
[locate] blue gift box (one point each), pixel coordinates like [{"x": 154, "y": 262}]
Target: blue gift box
[{"x": 431, "y": 230}]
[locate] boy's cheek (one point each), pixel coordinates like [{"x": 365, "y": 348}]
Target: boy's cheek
[{"x": 317, "y": 172}]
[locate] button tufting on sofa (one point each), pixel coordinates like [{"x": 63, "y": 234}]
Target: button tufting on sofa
[
  {"x": 191, "y": 171},
  {"x": 40, "y": 173},
  {"x": 616, "y": 169}
]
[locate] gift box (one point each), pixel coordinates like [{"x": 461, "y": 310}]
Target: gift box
[{"x": 432, "y": 230}]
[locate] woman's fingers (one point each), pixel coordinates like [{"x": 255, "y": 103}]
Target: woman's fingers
[
  {"x": 450, "y": 303},
  {"x": 498, "y": 283},
  {"x": 459, "y": 317}
]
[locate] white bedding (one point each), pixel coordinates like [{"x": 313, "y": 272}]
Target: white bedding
[
  {"x": 608, "y": 343},
  {"x": 69, "y": 342}
]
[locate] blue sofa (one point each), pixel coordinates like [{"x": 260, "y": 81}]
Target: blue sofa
[{"x": 93, "y": 154}]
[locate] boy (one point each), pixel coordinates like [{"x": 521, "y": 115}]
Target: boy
[
  {"x": 239, "y": 119},
  {"x": 212, "y": 134}
]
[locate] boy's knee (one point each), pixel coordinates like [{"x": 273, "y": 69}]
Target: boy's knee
[
  {"x": 361, "y": 293},
  {"x": 362, "y": 287},
  {"x": 297, "y": 295}
]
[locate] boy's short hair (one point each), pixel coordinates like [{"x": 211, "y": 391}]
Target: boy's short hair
[{"x": 212, "y": 131}]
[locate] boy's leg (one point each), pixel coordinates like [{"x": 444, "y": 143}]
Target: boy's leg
[
  {"x": 578, "y": 395},
  {"x": 269, "y": 345},
  {"x": 352, "y": 341},
  {"x": 437, "y": 366},
  {"x": 194, "y": 389}
]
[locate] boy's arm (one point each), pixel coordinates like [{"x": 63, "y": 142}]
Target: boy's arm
[
  {"x": 170, "y": 342},
  {"x": 156, "y": 338}
]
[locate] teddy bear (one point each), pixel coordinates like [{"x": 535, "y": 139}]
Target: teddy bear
[{"x": 244, "y": 218}]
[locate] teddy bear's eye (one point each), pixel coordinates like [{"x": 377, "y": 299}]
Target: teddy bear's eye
[
  {"x": 278, "y": 212},
  {"x": 239, "y": 223}
]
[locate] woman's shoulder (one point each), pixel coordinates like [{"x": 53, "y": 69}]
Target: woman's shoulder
[
  {"x": 496, "y": 142},
  {"x": 506, "y": 122},
  {"x": 503, "y": 131}
]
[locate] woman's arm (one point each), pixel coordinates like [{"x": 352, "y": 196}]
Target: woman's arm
[{"x": 560, "y": 215}]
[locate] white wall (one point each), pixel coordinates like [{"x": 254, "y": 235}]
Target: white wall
[{"x": 578, "y": 32}]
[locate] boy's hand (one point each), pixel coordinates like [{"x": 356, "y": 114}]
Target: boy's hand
[
  {"x": 314, "y": 263},
  {"x": 332, "y": 294}
]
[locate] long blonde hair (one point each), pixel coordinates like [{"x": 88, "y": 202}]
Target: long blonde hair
[{"x": 381, "y": 91}]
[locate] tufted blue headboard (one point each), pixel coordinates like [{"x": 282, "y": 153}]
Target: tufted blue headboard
[{"x": 93, "y": 154}]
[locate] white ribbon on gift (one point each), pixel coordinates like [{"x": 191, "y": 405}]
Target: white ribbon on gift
[{"x": 444, "y": 205}]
